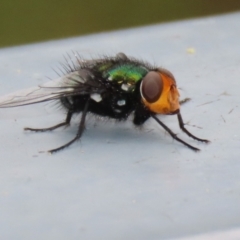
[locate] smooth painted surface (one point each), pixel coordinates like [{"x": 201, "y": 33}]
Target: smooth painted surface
[{"x": 119, "y": 182}]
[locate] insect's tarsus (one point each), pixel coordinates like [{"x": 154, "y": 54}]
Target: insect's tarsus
[
  {"x": 174, "y": 136},
  {"x": 181, "y": 125},
  {"x": 112, "y": 87},
  {"x": 65, "y": 123},
  {"x": 80, "y": 130}
]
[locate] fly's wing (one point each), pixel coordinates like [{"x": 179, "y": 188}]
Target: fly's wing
[{"x": 81, "y": 82}]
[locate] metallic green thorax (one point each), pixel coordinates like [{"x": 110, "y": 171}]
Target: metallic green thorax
[
  {"x": 128, "y": 73},
  {"x": 124, "y": 72},
  {"x": 121, "y": 73}
]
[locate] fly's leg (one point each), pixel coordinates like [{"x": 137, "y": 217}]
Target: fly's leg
[
  {"x": 174, "y": 136},
  {"x": 80, "y": 130},
  {"x": 66, "y": 122},
  {"x": 184, "y": 100},
  {"x": 181, "y": 125}
]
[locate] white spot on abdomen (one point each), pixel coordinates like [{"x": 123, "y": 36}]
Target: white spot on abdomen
[
  {"x": 125, "y": 87},
  {"x": 96, "y": 97},
  {"x": 121, "y": 102}
]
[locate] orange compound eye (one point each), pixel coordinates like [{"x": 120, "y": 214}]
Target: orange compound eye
[
  {"x": 152, "y": 86},
  {"x": 159, "y": 93}
]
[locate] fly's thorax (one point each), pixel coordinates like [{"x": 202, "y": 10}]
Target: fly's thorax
[
  {"x": 124, "y": 74},
  {"x": 159, "y": 92}
]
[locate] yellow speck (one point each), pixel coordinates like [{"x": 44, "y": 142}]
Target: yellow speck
[{"x": 191, "y": 50}]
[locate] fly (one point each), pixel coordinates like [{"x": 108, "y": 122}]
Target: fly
[{"x": 113, "y": 87}]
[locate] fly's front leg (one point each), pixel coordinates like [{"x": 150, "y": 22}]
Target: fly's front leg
[
  {"x": 184, "y": 100},
  {"x": 174, "y": 136},
  {"x": 181, "y": 125},
  {"x": 65, "y": 123}
]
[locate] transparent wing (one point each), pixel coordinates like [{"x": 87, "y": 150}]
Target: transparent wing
[{"x": 80, "y": 82}]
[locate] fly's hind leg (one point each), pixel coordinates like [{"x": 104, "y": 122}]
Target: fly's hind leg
[
  {"x": 65, "y": 123},
  {"x": 80, "y": 130}
]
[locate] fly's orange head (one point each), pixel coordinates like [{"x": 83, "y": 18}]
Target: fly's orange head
[{"x": 159, "y": 92}]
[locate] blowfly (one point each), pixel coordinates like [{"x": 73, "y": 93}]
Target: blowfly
[{"x": 113, "y": 87}]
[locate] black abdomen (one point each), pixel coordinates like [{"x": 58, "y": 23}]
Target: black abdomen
[{"x": 117, "y": 106}]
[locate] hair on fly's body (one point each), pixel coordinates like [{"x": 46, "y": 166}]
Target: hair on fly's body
[{"x": 108, "y": 87}]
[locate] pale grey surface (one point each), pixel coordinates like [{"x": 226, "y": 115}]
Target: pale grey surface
[{"x": 118, "y": 182}]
